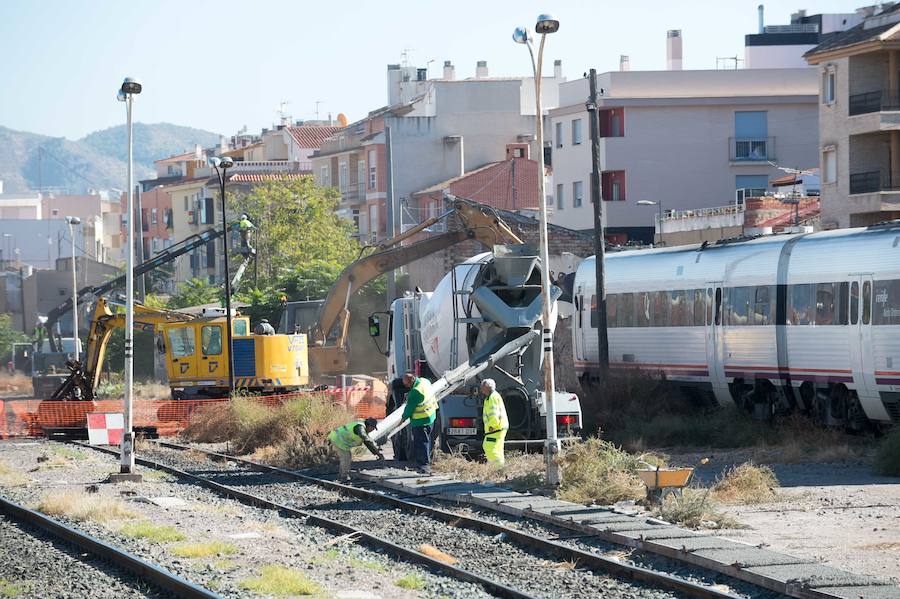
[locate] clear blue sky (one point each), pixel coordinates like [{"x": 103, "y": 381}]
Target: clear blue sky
[{"x": 221, "y": 65}]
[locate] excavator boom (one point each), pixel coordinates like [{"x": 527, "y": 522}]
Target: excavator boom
[{"x": 479, "y": 222}]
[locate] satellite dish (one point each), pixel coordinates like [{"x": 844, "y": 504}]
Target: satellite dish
[{"x": 342, "y": 119}]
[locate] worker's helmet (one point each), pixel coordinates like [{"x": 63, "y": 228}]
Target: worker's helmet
[
  {"x": 371, "y": 423},
  {"x": 244, "y": 216},
  {"x": 265, "y": 320}
]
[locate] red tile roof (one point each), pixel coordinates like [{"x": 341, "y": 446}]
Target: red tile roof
[
  {"x": 178, "y": 158},
  {"x": 508, "y": 185},
  {"x": 312, "y": 136}
]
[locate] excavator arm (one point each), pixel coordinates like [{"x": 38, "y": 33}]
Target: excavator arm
[
  {"x": 83, "y": 378},
  {"x": 479, "y": 222}
]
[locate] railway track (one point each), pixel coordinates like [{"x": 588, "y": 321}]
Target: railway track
[
  {"x": 507, "y": 562},
  {"x": 121, "y": 561}
]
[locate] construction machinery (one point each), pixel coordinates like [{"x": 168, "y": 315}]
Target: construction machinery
[
  {"x": 262, "y": 363},
  {"x": 483, "y": 319},
  {"x": 477, "y": 222}
]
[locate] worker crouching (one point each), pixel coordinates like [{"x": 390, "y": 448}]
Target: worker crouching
[
  {"x": 353, "y": 434},
  {"x": 496, "y": 424}
]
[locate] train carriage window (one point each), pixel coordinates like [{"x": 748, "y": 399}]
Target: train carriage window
[
  {"x": 824, "y": 304},
  {"x": 211, "y": 340},
  {"x": 799, "y": 311},
  {"x": 659, "y": 314},
  {"x": 718, "y": 306},
  {"x": 887, "y": 303},
  {"x": 762, "y": 307},
  {"x": 699, "y": 308},
  {"x": 642, "y": 309},
  {"x": 737, "y": 302},
  {"x": 594, "y": 312},
  {"x": 626, "y": 310},
  {"x": 854, "y": 302},
  {"x": 181, "y": 340},
  {"x": 842, "y": 303},
  {"x": 612, "y": 303},
  {"x": 676, "y": 308},
  {"x": 867, "y": 302}
]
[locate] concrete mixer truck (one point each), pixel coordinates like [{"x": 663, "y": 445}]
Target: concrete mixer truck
[{"x": 482, "y": 320}]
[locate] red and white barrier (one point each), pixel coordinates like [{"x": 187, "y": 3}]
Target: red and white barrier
[{"x": 105, "y": 428}]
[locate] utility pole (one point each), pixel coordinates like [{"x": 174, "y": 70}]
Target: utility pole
[
  {"x": 599, "y": 241},
  {"x": 389, "y": 202}
]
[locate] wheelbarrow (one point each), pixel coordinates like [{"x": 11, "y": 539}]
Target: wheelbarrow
[{"x": 661, "y": 482}]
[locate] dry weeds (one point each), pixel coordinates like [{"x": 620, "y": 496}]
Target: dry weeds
[
  {"x": 596, "y": 471},
  {"x": 745, "y": 485},
  {"x": 82, "y": 506},
  {"x": 10, "y": 477},
  {"x": 694, "y": 508},
  {"x": 522, "y": 471},
  {"x": 887, "y": 461}
]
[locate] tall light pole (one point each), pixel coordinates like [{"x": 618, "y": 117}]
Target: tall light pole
[
  {"x": 130, "y": 87},
  {"x": 74, "y": 220},
  {"x": 226, "y": 162},
  {"x": 545, "y": 25},
  {"x": 659, "y": 215}
]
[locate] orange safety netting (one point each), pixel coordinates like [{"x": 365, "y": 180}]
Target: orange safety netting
[{"x": 36, "y": 417}]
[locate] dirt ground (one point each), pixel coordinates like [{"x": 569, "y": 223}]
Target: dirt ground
[{"x": 842, "y": 513}]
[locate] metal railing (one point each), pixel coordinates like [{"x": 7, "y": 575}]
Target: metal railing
[
  {"x": 792, "y": 28},
  {"x": 874, "y": 102},
  {"x": 751, "y": 148},
  {"x": 669, "y": 215},
  {"x": 872, "y": 181},
  {"x": 263, "y": 166}
]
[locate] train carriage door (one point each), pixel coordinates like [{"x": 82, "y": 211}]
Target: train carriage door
[
  {"x": 212, "y": 363},
  {"x": 715, "y": 357},
  {"x": 181, "y": 351},
  {"x": 860, "y": 306}
]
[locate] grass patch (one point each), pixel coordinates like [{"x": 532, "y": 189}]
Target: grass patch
[
  {"x": 367, "y": 565},
  {"x": 10, "y": 477},
  {"x": 68, "y": 453},
  {"x": 413, "y": 582},
  {"x": 694, "y": 508},
  {"x": 224, "y": 565},
  {"x": 84, "y": 507},
  {"x": 155, "y": 533},
  {"x": 522, "y": 472},
  {"x": 280, "y": 581},
  {"x": 597, "y": 471},
  {"x": 887, "y": 460},
  {"x": 746, "y": 484},
  {"x": 293, "y": 434},
  {"x": 209, "y": 549},
  {"x": 9, "y": 588}
]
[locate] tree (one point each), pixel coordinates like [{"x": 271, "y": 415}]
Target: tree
[
  {"x": 297, "y": 225},
  {"x": 8, "y": 336},
  {"x": 194, "y": 293}
]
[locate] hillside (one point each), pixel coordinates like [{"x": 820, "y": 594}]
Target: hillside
[{"x": 97, "y": 160}]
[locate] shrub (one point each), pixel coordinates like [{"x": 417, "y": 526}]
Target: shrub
[
  {"x": 413, "y": 582},
  {"x": 598, "y": 471},
  {"x": 280, "y": 581},
  {"x": 522, "y": 471},
  {"x": 746, "y": 484},
  {"x": 887, "y": 460},
  {"x": 83, "y": 507}
]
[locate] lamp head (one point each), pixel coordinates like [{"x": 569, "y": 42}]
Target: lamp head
[
  {"x": 73, "y": 220},
  {"x": 120, "y": 96},
  {"x": 646, "y": 203},
  {"x": 227, "y": 162},
  {"x": 131, "y": 86},
  {"x": 520, "y": 35},
  {"x": 215, "y": 162},
  {"x": 546, "y": 23}
]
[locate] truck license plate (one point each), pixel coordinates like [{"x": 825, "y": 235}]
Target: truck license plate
[{"x": 463, "y": 432}]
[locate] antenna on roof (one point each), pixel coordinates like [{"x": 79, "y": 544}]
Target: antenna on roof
[
  {"x": 281, "y": 111},
  {"x": 317, "y": 108},
  {"x": 724, "y": 60},
  {"x": 405, "y": 56}
]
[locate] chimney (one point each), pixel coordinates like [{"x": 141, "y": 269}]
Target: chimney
[
  {"x": 449, "y": 71},
  {"x": 673, "y": 50},
  {"x": 393, "y": 80},
  {"x": 762, "y": 21},
  {"x": 481, "y": 70},
  {"x": 557, "y": 69},
  {"x": 624, "y": 62}
]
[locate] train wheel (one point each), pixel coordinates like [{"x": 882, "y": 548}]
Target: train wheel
[{"x": 856, "y": 420}]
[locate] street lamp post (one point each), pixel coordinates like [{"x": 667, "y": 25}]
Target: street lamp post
[
  {"x": 659, "y": 215},
  {"x": 226, "y": 162},
  {"x": 130, "y": 87},
  {"x": 545, "y": 25},
  {"x": 74, "y": 220}
]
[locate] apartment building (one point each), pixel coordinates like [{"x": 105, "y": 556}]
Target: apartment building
[
  {"x": 440, "y": 128},
  {"x": 858, "y": 73},
  {"x": 679, "y": 139}
]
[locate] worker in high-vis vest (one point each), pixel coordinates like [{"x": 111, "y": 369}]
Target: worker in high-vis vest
[
  {"x": 495, "y": 423},
  {"x": 421, "y": 410},
  {"x": 353, "y": 434}
]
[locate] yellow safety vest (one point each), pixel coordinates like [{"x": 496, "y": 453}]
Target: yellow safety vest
[
  {"x": 494, "y": 414},
  {"x": 428, "y": 405},
  {"x": 344, "y": 436}
]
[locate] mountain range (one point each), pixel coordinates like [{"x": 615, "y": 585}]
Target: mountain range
[{"x": 97, "y": 161}]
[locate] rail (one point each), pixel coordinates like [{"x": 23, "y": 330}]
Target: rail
[
  {"x": 519, "y": 537},
  {"x": 669, "y": 215},
  {"x": 144, "y": 570}
]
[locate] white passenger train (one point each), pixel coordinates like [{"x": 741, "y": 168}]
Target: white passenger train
[{"x": 807, "y": 321}]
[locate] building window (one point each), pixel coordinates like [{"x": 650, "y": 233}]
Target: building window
[
  {"x": 186, "y": 202},
  {"x": 751, "y": 186},
  {"x": 615, "y": 194},
  {"x": 750, "y": 136},
  {"x": 576, "y": 132},
  {"x": 577, "y": 193},
  {"x": 343, "y": 175},
  {"x": 154, "y": 218},
  {"x": 828, "y": 86},
  {"x": 559, "y": 196},
  {"x": 373, "y": 218},
  {"x": 360, "y": 174},
  {"x": 558, "y": 135},
  {"x": 373, "y": 171},
  {"x": 612, "y": 186},
  {"x": 324, "y": 176},
  {"x": 829, "y": 165}
]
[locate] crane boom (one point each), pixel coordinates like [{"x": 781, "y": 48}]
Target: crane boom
[{"x": 479, "y": 222}]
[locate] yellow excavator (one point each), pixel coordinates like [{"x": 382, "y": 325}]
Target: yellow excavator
[
  {"x": 477, "y": 221},
  {"x": 262, "y": 363}
]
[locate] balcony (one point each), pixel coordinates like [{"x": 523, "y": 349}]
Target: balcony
[
  {"x": 270, "y": 166},
  {"x": 354, "y": 193},
  {"x": 878, "y": 101},
  {"x": 751, "y": 149},
  {"x": 872, "y": 181}
]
